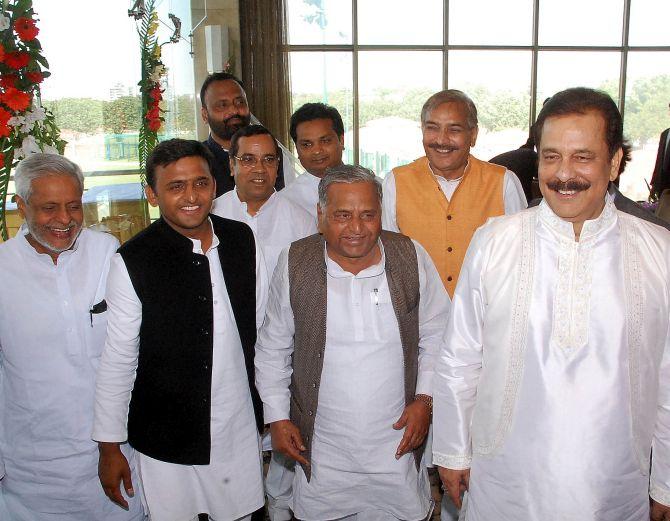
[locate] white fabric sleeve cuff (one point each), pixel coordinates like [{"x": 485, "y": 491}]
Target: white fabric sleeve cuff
[{"x": 454, "y": 462}]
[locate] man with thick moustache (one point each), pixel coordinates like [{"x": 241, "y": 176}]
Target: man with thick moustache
[
  {"x": 275, "y": 221},
  {"x": 442, "y": 198},
  {"x": 52, "y": 332},
  {"x": 225, "y": 110},
  {"x": 318, "y": 133},
  {"x": 344, "y": 359},
  {"x": 552, "y": 392},
  {"x": 185, "y": 298}
]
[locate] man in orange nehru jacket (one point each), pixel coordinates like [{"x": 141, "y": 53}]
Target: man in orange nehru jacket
[{"x": 440, "y": 199}]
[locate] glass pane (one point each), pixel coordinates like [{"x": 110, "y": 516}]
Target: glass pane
[
  {"x": 579, "y": 22},
  {"x": 557, "y": 71},
  {"x": 393, "y": 87},
  {"x": 325, "y": 77},
  {"x": 395, "y": 24},
  {"x": 318, "y": 22},
  {"x": 646, "y": 116},
  {"x": 497, "y": 23},
  {"x": 503, "y": 105},
  {"x": 98, "y": 112},
  {"x": 649, "y": 22}
]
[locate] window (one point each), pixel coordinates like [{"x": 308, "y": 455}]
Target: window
[
  {"x": 94, "y": 95},
  {"x": 380, "y": 59}
]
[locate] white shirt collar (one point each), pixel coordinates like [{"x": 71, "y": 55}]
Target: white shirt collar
[
  {"x": 264, "y": 207},
  {"x": 591, "y": 228},
  {"x": 336, "y": 271},
  {"x": 197, "y": 244}
]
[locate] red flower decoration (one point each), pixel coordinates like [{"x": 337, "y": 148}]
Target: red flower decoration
[
  {"x": 154, "y": 113},
  {"x": 17, "y": 60},
  {"x": 154, "y": 124},
  {"x": 35, "y": 77},
  {"x": 25, "y": 28},
  {"x": 16, "y": 99},
  {"x": 8, "y": 80},
  {"x": 2, "y": 159},
  {"x": 156, "y": 94},
  {"x": 4, "y": 118},
  {"x": 2, "y": 52}
]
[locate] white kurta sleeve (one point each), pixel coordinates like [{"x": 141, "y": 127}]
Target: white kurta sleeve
[
  {"x": 116, "y": 373},
  {"x": 459, "y": 364},
  {"x": 514, "y": 198},
  {"x": 660, "y": 465},
  {"x": 262, "y": 283},
  {"x": 274, "y": 347},
  {"x": 389, "y": 221},
  {"x": 433, "y": 313}
]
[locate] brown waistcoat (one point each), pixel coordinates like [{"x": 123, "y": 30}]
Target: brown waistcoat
[{"x": 308, "y": 295}]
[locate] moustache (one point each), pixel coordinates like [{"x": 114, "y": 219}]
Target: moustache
[
  {"x": 231, "y": 118},
  {"x": 568, "y": 186},
  {"x": 449, "y": 148}
]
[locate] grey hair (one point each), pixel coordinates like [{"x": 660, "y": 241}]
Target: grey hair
[
  {"x": 346, "y": 174},
  {"x": 39, "y": 165},
  {"x": 450, "y": 96}
]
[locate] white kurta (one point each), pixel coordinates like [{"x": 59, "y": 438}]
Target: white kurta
[
  {"x": 304, "y": 192},
  {"x": 50, "y": 348},
  {"x": 361, "y": 394},
  {"x": 514, "y": 198},
  {"x": 277, "y": 223},
  {"x": 569, "y": 453},
  {"x": 231, "y": 486}
]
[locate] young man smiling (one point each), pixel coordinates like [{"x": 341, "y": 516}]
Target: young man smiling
[{"x": 185, "y": 298}]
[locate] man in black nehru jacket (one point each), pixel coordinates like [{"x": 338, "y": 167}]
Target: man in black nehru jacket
[{"x": 185, "y": 297}]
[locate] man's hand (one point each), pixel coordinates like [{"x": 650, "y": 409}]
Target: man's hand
[
  {"x": 112, "y": 469},
  {"x": 287, "y": 440},
  {"x": 455, "y": 482},
  {"x": 415, "y": 419},
  {"x": 659, "y": 512}
]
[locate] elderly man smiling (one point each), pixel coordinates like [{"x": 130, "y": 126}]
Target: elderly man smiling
[
  {"x": 554, "y": 383},
  {"x": 344, "y": 359},
  {"x": 52, "y": 332}
]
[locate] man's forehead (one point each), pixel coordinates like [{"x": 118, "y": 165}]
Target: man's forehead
[
  {"x": 225, "y": 88},
  {"x": 583, "y": 130},
  {"x": 262, "y": 141}
]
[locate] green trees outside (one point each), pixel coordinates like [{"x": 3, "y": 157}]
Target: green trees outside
[
  {"x": 646, "y": 110},
  {"x": 91, "y": 116}
]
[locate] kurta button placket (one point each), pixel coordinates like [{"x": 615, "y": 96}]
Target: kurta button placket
[{"x": 449, "y": 249}]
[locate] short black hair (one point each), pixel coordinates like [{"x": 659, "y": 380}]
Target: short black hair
[
  {"x": 312, "y": 111},
  {"x": 251, "y": 130},
  {"x": 217, "y": 76},
  {"x": 580, "y": 100},
  {"x": 172, "y": 150}
]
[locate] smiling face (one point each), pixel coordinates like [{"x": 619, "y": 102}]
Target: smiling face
[
  {"x": 255, "y": 182},
  {"x": 318, "y": 146},
  {"x": 351, "y": 224},
  {"x": 184, "y": 191},
  {"x": 225, "y": 110},
  {"x": 574, "y": 166},
  {"x": 447, "y": 139},
  {"x": 53, "y": 213}
]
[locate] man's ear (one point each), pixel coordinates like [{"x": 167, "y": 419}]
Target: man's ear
[
  {"x": 22, "y": 206},
  {"x": 319, "y": 217},
  {"x": 203, "y": 115},
  {"x": 615, "y": 163},
  {"x": 151, "y": 195}
]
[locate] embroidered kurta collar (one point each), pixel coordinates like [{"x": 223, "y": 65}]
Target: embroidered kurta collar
[
  {"x": 336, "y": 271},
  {"x": 591, "y": 229}
]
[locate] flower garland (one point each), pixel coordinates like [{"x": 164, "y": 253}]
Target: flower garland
[
  {"x": 26, "y": 126},
  {"x": 153, "y": 72}
]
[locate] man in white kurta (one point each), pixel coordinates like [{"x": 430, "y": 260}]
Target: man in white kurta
[
  {"x": 356, "y": 467},
  {"x": 318, "y": 133},
  {"x": 554, "y": 383},
  {"x": 275, "y": 220},
  {"x": 230, "y": 485},
  {"x": 52, "y": 332}
]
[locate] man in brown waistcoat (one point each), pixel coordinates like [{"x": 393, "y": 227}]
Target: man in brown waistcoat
[
  {"x": 344, "y": 360},
  {"x": 442, "y": 198}
]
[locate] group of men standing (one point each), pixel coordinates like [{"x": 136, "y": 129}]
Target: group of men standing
[{"x": 340, "y": 317}]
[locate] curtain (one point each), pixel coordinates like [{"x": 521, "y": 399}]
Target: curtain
[{"x": 265, "y": 68}]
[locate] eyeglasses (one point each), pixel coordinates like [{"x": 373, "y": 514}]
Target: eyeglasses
[{"x": 249, "y": 161}]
